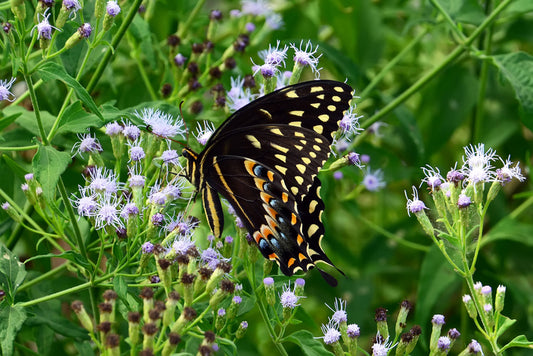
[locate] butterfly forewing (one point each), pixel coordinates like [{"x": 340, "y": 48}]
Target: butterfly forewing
[{"x": 264, "y": 159}]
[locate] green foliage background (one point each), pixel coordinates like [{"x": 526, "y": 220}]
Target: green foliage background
[{"x": 485, "y": 94}]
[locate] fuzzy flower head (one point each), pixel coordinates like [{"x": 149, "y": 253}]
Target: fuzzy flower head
[
  {"x": 438, "y": 319},
  {"x": 130, "y": 131},
  {"x": 112, "y": 8},
  {"x": 353, "y": 331},
  {"x": 87, "y": 144},
  {"x": 113, "y": 129},
  {"x": 255, "y": 7},
  {"x": 339, "y": 313},
  {"x": 169, "y": 157},
  {"x": 478, "y": 163},
  {"x": 331, "y": 333},
  {"x": 44, "y": 29},
  {"x": 267, "y": 70},
  {"x": 274, "y": 55},
  {"x": 136, "y": 152},
  {"x": 381, "y": 347},
  {"x": 86, "y": 205},
  {"x": 211, "y": 257},
  {"x": 307, "y": 57},
  {"x": 182, "y": 244},
  {"x": 443, "y": 344},
  {"x": 474, "y": 347},
  {"x": 161, "y": 124},
  {"x": 108, "y": 213},
  {"x": 238, "y": 96},
  {"x": 5, "y": 94},
  {"x": 349, "y": 124},
  {"x": 288, "y": 298},
  {"x": 72, "y": 5},
  {"x": 103, "y": 180},
  {"x": 373, "y": 180},
  {"x": 204, "y": 133},
  {"x": 507, "y": 172},
  {"x": 414, "y": 205},
  {"x": 432, "y": 177}
]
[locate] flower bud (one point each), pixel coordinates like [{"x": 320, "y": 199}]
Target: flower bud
[
  {"x": 82, "y": 315},
  {"x": 133, "y": 327},
  {"x": 241, "y": 330},
  {"x": 405, "y": 307},
  {"x": 19, "y": 9},
  {"x": 470, "y": 307},
  {"x": 381, "y": 320},
  {"x": 500, "y": 299},
  {"x": 270, "y": 292},
  {"x": 438, "y": 322},
  {"x": 84, "y": 31}
]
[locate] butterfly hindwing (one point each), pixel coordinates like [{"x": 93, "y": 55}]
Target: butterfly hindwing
[{"x": 264, "y": 159}]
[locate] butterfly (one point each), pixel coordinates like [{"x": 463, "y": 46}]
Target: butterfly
[{"x": 264, "y": 160}]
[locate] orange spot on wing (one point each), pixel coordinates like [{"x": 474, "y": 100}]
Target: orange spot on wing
[
  {"x": 259, "y": 183},
  {"x": 284, "y": 197},
  {"x": 257, "y": 236},
  {"x": 293, "y": 219},
  {"x": 291, "y": 262},
  {"x": 301, "y": 256},
  {"x": 299, "y": 239},
  {"x": 265, "y": 231},
  {"x": 249, "y": 167},
  {"x": 270, "y": 176},
  {"x": 272, "y": 256}
]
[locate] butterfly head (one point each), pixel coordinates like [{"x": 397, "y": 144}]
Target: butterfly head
[{"x": 192, "y": 174}]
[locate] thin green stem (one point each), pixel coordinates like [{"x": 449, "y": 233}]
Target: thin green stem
[
  {"x": 393, "y": 237},
  {"x": 48, "y": 297},
  {"x": 43, "y": 276},
  {"x": 440, "y": 67},
  {"x": 114, "y": 44},
  {"x": 73, "y": 220},
  {"x": 35, "y": 105},
  {"x": 521, "y": 208},
  {"x": 192, "y": 16},
  {"x": 449, "y": 20}
]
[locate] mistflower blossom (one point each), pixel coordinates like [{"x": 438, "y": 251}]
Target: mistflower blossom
[
  {"x": 237, "y": 299},
  {"x": 463, "y": 201},
  {"x": 339, "y": 313},
  {"x": 107, "y": 213},
  {"x": 44, "y": 29},
  {"x": 432, "y": 177},
  {"x": 414, "y": 205},
  {"x": 103, "y": 180},
  {"x": 156, "y": 196},
  {"x": 446, "y": 189},
  {"x": 306, "y": 57},
  {"x": 113, "y": 129},
  {"x": 228, "y": 240},
  {"x": 211, "y": 257},
  {"x": 354, "y": 159},
  {"x": 373, "y": 181},
  {"x": 454, "y": 176},
  {"x": 365, "y": 158},
  {"x": 129, "y": 210},
  {"x": 5, "y": 94},
  {"x": 130, "y": 131},
  {"x": 438, "y": 319},
  {"x": 331, "y": 333},
  {"x": 135, "y": 179},
  {"x": 255, "y": 7},
  {"x": 288, "y": 298},
  {"x": 274, "y": 21},
  {"x": 486, "y": 290},
  {"x": 180, "y": 59},
  {"x": 72, "y": 5},
  {"x": 221, "y": 312},
  {"x": 474, "y": 347},
  {"x": 169, "y": 157},
  {"x": 487, "y": 308},
  {"x": 112, "y": 8},
  {"x": 274, "y": 55},
  {"x": 86, "y": 205},
  {"x": 161, "y": 124},
  {"x": 24, "y": 187},
  {"x": 174, "y": 190},
  {"x": 182, "y": 244},
  {"x": 282, "y": 79},
  {"x": 381, "y": 348},
  {"x": 353, "y": 331},
  {"x": 507, "y": 173},
  {"x": 157, "y": 219},
  {"x": 136, "y": 152},
  {"x": 85, "y": 30},
  {"x": 477, "y": 167},
  {"x": 87, "y": 144},
  {"x": 340, "y": 145},
  {"x": 147, "y": 247},
  {"x": 203, "y": 134},
  {"x": 349, "y": 124},
  {"x": 250, "y": 27},
  {"x": 443, "y": 344},
  {"x": 28, "y": 176},
  {"x": 238, "y": 96},
  {"x": 6, "y": 205},
  {"x": 268, "y": 281},
  {"x": 267, "y": 70},
  {"x": 467, "y": 298}
]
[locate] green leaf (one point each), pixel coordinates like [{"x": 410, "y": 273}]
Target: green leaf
[
  {"x": 120, "y": 286},
  {"x": 517, "y": 68},
  {"x": 11, "y": 320},
  {"x": 67, "y": 255},
  {"x": 8, "y": 120},
  {"x": 51, "y": 71},
  {"x": 48, "y": 316},
  {"x": 307, "y": 342},
  {"x": 12, "y": 272},
  {"x": 502, "y": 327},
  {"x": 77, "y": 120},
  {"x": 519, "y": 341},
  {"x": 48, "y": 164},
  {"x": 510, "y": 229}
]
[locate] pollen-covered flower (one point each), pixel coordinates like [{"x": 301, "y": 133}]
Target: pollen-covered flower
[
  {"x": 162, "y": 124},
  {"x": 432, "y": 177},
  {"x": 129, "y": 210},
  {"x": 85, "y": 205},
  {"x": 103, "y": 180},
  {"x": 381, "y": 347},
  {"x": 113, "y": 129},
  {"x": 274, "y": 55},
  {"x": 130, "y": 131},
  {"x": 204, "y": 133},
  {"x": 373, "y": 180},
  {"x": 306, "y": 56},
  {"x": 169, "y": 157},
  {"x": 182, "y": 244},
  {"x": 5, "y": 94},
  {"x": 478, "y": 167},
  {"x": 443, "y": 344},
  {"x": 136, "y": 152},
  {"x": 87, "y": 144},
  {"x": 353, "y": 331},
  {"x": 211, "y": 257},
  {"x": 463, "y": 201}
]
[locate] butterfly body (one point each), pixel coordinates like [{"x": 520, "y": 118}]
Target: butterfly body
[{"x": 264, "y": 159}]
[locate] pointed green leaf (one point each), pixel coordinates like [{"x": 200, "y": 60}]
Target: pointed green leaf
[
  {"x": 503, "y": 326},
  {"x": 77, "y": 120},
  {"x": 48, "y": 164},
  {"x": 12, "y": 272},
  {"x": 517, "y": 68},
  {"x": 307, "y": 342},
  {"x": 52, "y": 71},
  {"x": 519, "y": 341},
  {"x": 11, "y": 320}
]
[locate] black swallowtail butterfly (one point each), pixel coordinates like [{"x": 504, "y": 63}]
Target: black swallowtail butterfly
[{"x": 264, "y": 160}]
